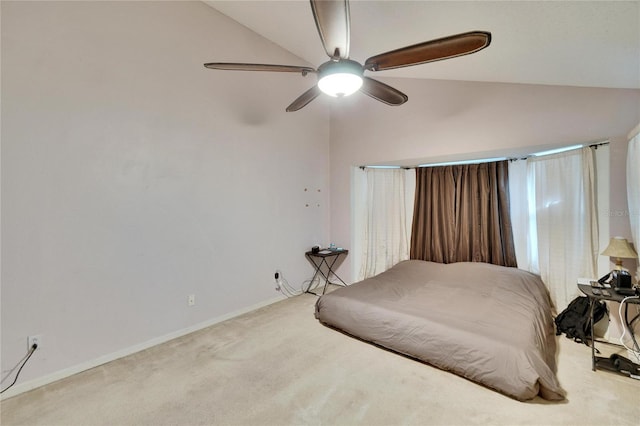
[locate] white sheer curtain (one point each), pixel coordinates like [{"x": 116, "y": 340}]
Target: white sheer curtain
[
  {"x": 633, "y": 199},
  {"x": 555, "y": 220},
  {"x": 633, "y": 190},
  {"x": 522, "y": 224},
  {"x": 387, "y": 209}
]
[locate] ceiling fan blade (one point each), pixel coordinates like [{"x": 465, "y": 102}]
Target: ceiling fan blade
[
  {"x": 234, "y": 66},
  {"x": 429, "y": 51},
  {"x": 304, "y": 99},
  {"x": 382, "y": 92},
  {"x": 332, "y": 21}
]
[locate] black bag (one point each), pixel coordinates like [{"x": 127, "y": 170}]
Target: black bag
[{"x": 575, "y": 321}]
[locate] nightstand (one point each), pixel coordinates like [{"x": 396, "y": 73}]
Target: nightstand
[
  {"x": 608, "y": 363},
  {"x": 328, "y": 258}
]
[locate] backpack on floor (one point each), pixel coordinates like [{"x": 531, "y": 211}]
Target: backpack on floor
[{"x": 575, "y": 320}]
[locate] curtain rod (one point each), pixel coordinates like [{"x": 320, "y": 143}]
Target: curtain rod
[
  {"x": 593, "y": 145},
  {"x": 596, "y": 145},
  {"x": 387, "y": 167}
]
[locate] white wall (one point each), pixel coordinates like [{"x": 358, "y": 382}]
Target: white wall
[
  {"x": 132, "y": 176},
  {"x": 449, "y": 119}
]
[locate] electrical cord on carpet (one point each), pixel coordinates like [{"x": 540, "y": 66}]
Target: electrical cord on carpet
[
  {"x": 288, "y": 290},
  {"x": 311, "y": 285},
  {"x": 635, "y": 350},
  {"x": 315, "y": 283},
  {"x": 282, "y": 285},
  {"x": 24, "y": 362}
]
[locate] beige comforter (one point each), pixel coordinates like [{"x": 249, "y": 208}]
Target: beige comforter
[{"x": 488, "y": 323}]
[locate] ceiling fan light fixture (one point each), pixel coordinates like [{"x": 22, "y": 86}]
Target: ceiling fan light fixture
[
  {"x": 340, "y": 84},
  {"x": 341, "y": 78}
]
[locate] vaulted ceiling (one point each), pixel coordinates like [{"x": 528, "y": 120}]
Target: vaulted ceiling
[{"x": 569, "y": 43}]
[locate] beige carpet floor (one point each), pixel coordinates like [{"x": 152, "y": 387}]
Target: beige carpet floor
[{"x": 279, "y": 366}]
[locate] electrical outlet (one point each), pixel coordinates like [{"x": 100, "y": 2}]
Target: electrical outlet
[
  {"x": 277, "y": 277},
  {"x": 191, "y": 300},
  {"x": 34, "y": 340}
]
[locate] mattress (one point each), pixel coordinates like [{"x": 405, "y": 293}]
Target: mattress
[{"x": 488, "y": 323}]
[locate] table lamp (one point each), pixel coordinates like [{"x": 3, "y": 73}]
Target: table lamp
[
  {"x": 619, "y": 248},
  {"x": 619, "y": 278}
]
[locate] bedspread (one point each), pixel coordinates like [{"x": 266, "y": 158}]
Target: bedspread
[{"x": 488, "y": 323}]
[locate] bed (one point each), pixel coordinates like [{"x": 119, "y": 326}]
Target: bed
[{"x": 490, "y": 324}]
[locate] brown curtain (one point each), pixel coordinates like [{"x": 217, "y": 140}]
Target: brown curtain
[{"x": 461, "y": 214}]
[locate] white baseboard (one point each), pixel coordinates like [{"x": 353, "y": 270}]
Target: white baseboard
[{"x": 61, "y": 374}]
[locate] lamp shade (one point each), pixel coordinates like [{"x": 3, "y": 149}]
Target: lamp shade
[{"x": 619, "y": 247}]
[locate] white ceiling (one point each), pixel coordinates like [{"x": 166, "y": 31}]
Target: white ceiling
[{"x": 569, "y": 43}]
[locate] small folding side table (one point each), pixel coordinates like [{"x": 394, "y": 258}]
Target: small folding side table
[
  {"x": 612, "y": 296},
  {"x": 326, "y": 258}
]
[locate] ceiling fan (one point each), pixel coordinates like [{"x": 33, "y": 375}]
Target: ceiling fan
[{"x": 341, "y": 76}]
